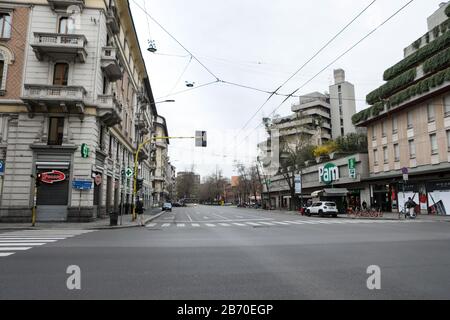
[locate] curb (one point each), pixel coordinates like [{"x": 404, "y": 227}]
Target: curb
[
  {"x": 130, "y": 226},
  {"x": 86, "y": 228}
]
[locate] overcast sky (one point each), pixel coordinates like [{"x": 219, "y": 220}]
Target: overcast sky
[{"x": 260, "y": 44}]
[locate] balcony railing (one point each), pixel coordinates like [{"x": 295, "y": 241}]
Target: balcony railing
[
  {"x": 109, "y": 109},
  {"x": 49, "y": 96},
  {"x": 60, "y": 46},
  {"x": 110, "y": 64},
  {"x": 64, "y": 4}
]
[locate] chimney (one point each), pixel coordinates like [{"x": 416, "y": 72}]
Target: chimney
[{"x": 339, "y": 76}]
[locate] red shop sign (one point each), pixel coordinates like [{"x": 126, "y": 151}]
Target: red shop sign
[{"x": 52, "y": 177}]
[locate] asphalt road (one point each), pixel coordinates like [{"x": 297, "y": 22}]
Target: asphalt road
[{"x": 229, "y": 253}]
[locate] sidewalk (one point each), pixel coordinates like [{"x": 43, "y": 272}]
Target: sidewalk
[
  {"x": 386, "y": 216},
  {"x": 100, "y": 224}
]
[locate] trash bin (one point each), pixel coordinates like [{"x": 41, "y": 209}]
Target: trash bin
[{"x": 113, "y": 218}]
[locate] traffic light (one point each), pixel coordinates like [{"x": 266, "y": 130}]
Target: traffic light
[
  {"x": 139, "y": 184},
  {"x": 200, "y": 139}
]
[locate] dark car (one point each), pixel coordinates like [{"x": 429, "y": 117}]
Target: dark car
[
  {"x": 167, "y": 207},
  {"x": 176, "y": 204}
]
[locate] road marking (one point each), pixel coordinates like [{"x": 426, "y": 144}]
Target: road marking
[
  {"x": 20, "y": 241},
  {"x": 151, "y": 225},
  {"x": 294, "y": 222},
  {"x": 253, "y": 224},
  {"x": 26, "y": 238},
  {"x": 195, "y": 225},
  {"x": 15, "y": 248},
  {"x": 205, "y": 218},
  {"x": 267, "y": 223},
  {"x": 279, "y": 222},
  {"x": 210, "y": 225},
  {"x": 240, "y": 224},
  {"x": 165, "y": 225},
  {"x": 222, "y": 217},
  {"x": 6, "y": 254},
  {"x": 189, "y": 217},
  {"x": 181, "y": 225},
  {"x": 22, "y": 244},
  {"x": 224, "y": 224}
]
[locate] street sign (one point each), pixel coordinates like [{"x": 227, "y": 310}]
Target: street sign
[
  {"x": 82, "y": 184},
  {"x": 129, "y": 172},
  {"x": 52, "y": 177},
  {"x": 405, "y": 174},
  {"x": 2, "y": 167},
  {"x": 200, "y": 139},
  {"x": 298, "y": 184}
]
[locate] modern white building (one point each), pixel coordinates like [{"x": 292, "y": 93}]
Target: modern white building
[{"x": 342, "y": 105}]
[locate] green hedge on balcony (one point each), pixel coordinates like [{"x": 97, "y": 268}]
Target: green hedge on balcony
[
  {"x": 362, "y": 115},
  {"x": 421, "y": 87},
  {"x": 420, "y": 55},
  {"x": 447, "y": 11},
  {"x": 437, "y": 62},
  {"x": 385, "y": 90}
]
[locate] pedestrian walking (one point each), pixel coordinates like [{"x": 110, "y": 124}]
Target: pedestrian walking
[{"x": 140, "y": 212}]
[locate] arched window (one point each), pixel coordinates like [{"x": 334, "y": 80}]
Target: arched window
[
  {"x": 5, "y": 25},
  {"x": 66, "y": 25},
  {"x": 61, "y": 74},
  {"x": 6, "y": 58}
]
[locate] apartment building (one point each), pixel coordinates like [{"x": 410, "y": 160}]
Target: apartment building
[
  {"x": 409, "y": 125},
  {"x": 161, "y": 158},
  {"x": 73, "y": 110}
]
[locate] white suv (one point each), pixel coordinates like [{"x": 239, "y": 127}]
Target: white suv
[{"x": 322, "y": 208}]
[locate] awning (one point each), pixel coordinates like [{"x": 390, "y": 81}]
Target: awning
[
  {"x": 53, "y": 165},
  {"x": 335, "y": 192}
]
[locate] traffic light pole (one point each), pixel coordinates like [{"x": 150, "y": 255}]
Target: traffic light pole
[{"x": 136, "y": 165}]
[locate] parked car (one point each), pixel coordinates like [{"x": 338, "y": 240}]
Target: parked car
[
  {"x": 176, "y": 204},
  {"x": 322, "y": 208},
  {"x": 167, "y": 207}
]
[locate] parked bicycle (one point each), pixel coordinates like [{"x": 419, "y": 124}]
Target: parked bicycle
[{"x": 367, "y": 213}]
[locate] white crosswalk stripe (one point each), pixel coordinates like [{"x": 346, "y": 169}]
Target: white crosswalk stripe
[
  {"x": 20, "y": 241},
  {"x": 181, "y": 225},
  {"x": 253, "y": 224},
  {"x": 151, "y": 225},
  {"x": 165, "y": 225},
  {"x": 239, "y": 224},
  {"x": 210, "y": 225},
  {"x": 196, "y": 225},
  {"x": 267, "y": 223},
  {"x": 224, "y": 224},
  {"x": 282, "y": 223}
]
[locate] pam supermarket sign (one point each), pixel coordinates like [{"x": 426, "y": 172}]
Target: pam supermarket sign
[{"x": 328, "y": 173}]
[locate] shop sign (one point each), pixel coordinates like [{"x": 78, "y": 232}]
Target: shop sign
[
  {"x": 352, "y": 168},
  {"x": 52, "y": 177},
  {"x": 85, "y": 151},
  {"x": 82, "y": 184},
  {"x": 98, "y": 179},
  {"x": 2, "y": 167},
  {"x": 328, "y": 173}
]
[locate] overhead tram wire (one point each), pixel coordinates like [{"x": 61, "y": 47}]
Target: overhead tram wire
[
  {"x": 305, "y": 64},
  {"x": 190, "y": 89},
  {"x": 181, "y": 75},
  {"x": 339, "y": 57},
  {"x": 176, "y": 40}
]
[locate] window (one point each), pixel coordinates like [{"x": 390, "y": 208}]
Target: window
[
  {"x": 66, "y": 25},
  {"x": 447, "y": 105},
  {"x": 101, "y": 140},
  {"x": 61, "y": 74},
  {"x": 409, "y": 116},
  {"x": 394, "y": 125},
  {"x": 374, "y": 133},
  {"x": 385, "y": 155},
  {"x": 375, "y": 156},
  {"x": 430, "y": 112},
  {"x": 383, "y": 128},
  {"x": 397, "y": 152},
  {"x": 110, "y": 147},
  {"x": 2, "y": 69},
  {"x": 412, "y": 149},
  {"x": 434, "y": 143},
  {"x": 5, "y": 25},
  {"x": 5, "y": 59},
  {"x": 55, "y": 131},
  {"x": 340, "y": 98},
  {"x": 448, "y": 140}
]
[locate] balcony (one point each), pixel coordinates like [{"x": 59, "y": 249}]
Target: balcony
[
  {"x": 57, "y": 46},
  {"x": 112, "y": 20},
  {"x": 109, "y": 109},
  {"x": 110, "y": 64},
  {"x": 63, "y": 5},
  {"x": 55, "y": 99}
]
